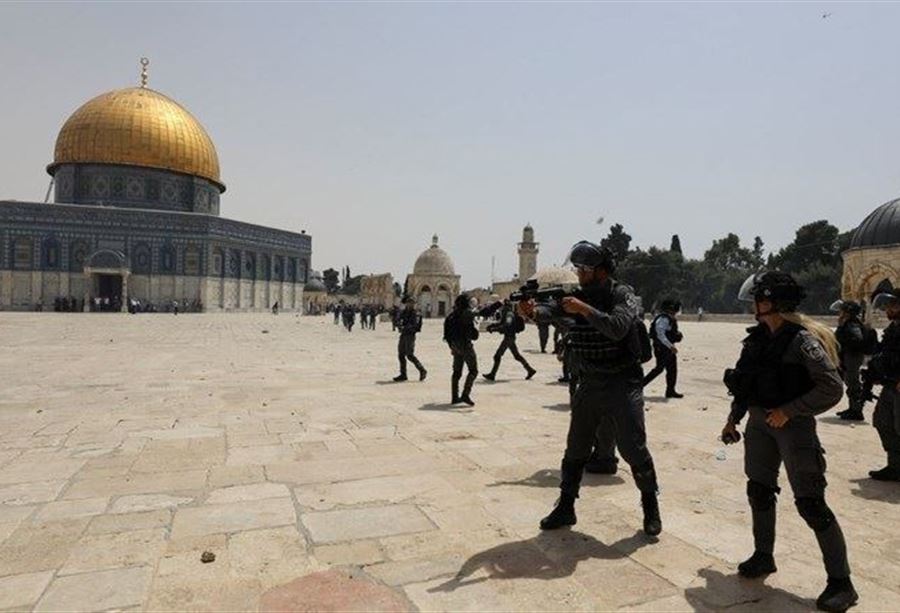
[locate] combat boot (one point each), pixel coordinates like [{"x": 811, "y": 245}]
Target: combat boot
[
  {"x": 563, "y": 514},
  {"x": 652, "y": 521},
  {"x": 467, "y": 400},
  {"x": 530, "y": 372},
  {"x": 422, "y": 374},
  {"x": 851, "y": 415},
  {"x": 757, "y": 565},
  {"x": 489, "y": 376},
  {"x": 673, "y": 394},
  {"x": 887, "y": 473},
  {"x": 399, "y": 378},
  {"x": 839, "y": 595}
]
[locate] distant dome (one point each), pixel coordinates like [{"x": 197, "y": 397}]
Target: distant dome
[
  {"x": 880, "y": 228},
  {"x": 555, "y": 275},
  {"x": 137, "y": 126},
  {"x": 434, "y": 261},
  {"x": 316, "y": 283}
]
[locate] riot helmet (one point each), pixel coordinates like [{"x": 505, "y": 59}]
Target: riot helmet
[
  {"x": 777, "y": 287},
  {"x": 462, "y": 302},
  {"x": 846, "y": 306},
  {"x": 670, "y": 305},
  {"x": 585, "y": 254}
]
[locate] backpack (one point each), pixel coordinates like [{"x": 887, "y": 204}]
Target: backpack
[
  {"x": 870, "y": 340},
  {"x": 646, "y": 350},
  {"x": 451, "y": 333},
  {"x": 518, "y": 323}
]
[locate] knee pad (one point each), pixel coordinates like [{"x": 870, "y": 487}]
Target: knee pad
[
  {"x": 815, "y": 513},
  {"x": 762, "y": 497}
]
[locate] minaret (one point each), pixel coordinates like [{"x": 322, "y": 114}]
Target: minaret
[{"x": 528, "y": 250}]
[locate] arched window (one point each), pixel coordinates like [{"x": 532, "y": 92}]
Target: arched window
[
  {"x": 167, "y": 259},
  {"x": 266, "y": 271},
  {"x": 218, "y": 263},
  {"x": 23, "y": 253},
  {"x": 78, "y": 252},
  {"x": 192, "y": 260},
  {"x": 50, "y": 255},
  {"x": 141, "y": 258},
  {"x": 249, "y": 265},
  {"x": 303, "y": 271}
]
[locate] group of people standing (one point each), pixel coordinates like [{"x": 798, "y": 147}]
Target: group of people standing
[{"x": 346, "y": 314}]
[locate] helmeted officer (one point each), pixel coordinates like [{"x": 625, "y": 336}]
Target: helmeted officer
[
  {"x": 409, "y": 323},
  {"x": 459, "y": 333},
  {"x": 510, "y": 325},
  {"x": 851, "y": 334},
  {"x": 665, "y": 335},
  {"x": 785, "y": 376},
  {"x": 884, "y": 369},
  {"x": 603, "y": 346}
]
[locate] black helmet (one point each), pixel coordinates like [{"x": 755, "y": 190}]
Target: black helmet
[
  {"x": 462, "y": 302},
  {"x": 670, "y": 305},
  {"x": 777, "y": 287},
  {"x": 589, "y": 255},
  {"x": 846, "y": 306}
]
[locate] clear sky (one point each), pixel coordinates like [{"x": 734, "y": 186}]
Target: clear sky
[{"x": 373, "y": 126}]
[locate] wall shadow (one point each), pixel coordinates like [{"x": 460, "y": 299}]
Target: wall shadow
[
  {"x": 734, "y": 592},
  {"x": 549, "y": 555}
]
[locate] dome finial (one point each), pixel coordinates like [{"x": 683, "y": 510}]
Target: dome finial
[
  {"x": 144, "y": 63},
  {"x": 434, "y": 241}
]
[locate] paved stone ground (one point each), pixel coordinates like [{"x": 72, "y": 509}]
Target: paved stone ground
[{"x": 130, "y": 445}]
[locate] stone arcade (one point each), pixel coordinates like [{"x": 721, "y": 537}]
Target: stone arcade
[{"x": 136, "y": 216}]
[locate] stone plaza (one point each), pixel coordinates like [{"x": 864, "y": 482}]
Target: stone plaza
[{"x": 131, "y": 445}]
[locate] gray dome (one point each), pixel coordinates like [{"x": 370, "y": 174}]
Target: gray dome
[
  {"x": 315, "y": 283},
  {"x": 880, "y": 228},
  {"x": 555, "y": 275},
  {"x": 434, "y": 261}
]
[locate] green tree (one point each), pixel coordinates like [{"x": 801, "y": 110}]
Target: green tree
[
  {"x": 330, "y": 278},
  {"x": 727, "y": 254},
  {"x": 617, "y": 240}
]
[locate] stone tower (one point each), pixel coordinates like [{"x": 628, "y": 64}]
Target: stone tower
[{"x": 528, "y": 251}]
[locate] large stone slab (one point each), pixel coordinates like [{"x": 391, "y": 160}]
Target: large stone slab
[
  {"x": 233, "y": 517},
  {"x": 112, "y": 589},
  {"x": 22, "y": 591},
  {"x": 370, "y": 522}
]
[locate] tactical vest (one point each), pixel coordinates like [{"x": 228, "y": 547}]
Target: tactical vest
[
  {"x": 764, "y": 379},
  {"x": 673, "y": 335},
  {"x": 591, "y": 352},
  {"x": 885, "y": 364}
]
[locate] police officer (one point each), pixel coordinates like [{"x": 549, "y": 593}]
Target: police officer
[
  {"x": 510, "y": 324},
  {"x": 543, "y": 336},
  {"x": 664, "y": 334},
  {"x": 603, "y": 347},
  {"x": 851, "y": 334},
  {"x": 884, "y": 369},
  {"x": 459, "y": 332},
  {"x": 409, "y": 322},
  {"x": 785, "y": 376}
]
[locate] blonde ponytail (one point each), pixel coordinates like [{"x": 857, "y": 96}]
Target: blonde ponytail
[{"x": 823, "y": 333}]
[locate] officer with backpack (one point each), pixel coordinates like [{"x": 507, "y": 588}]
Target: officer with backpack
[
  {"x": 856, "y": 340},
  {"x": 605, "y": 348},
  {"x": 510, "y": 324},
  {"x": 884, "y": 369},
  {"x": 459, "y": 333},
  {"x": 665, "y": 335}
]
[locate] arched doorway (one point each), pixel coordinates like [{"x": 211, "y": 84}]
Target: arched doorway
[
  {"x": 106, "y": 280},
  {"x": 443, "y": 300},
  {"x": 424, "y": 301}
]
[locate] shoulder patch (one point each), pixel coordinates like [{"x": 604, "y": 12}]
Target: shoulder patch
[{"x": 812, "y": 348}]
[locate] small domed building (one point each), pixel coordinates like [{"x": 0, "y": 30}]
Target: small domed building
[
  {"x": 315, "y": 293},
  {"x": 874, "y": 253},
  {"x": 433, "y": 283},
  {"x": 135, "y": 216}
]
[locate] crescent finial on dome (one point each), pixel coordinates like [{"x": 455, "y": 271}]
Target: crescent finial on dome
[
  {"x": 145, "y": 62},
  {"x": 434, "y": 240}
]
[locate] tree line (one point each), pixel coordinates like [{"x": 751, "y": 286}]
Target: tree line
[{"x": 712, "y": 282}]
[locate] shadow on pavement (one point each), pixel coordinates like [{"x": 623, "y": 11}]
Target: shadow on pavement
[
  {"x": 870, "y": 489},
  {"x": 548, "y": 477},
  {"x": 549, "y": 555},
  {"x": 562, "y": 406},
  {"x": 390, "y": 382},
  {"x": 446, "y": 406},
  {"x": 834, "y": 419},
  {"x": 732, "y": 591}
]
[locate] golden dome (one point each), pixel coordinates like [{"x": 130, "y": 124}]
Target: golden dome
[{"x": 137, "y": 126}]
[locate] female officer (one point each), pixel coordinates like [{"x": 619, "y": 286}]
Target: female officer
[{"x": 785, "y": 376}]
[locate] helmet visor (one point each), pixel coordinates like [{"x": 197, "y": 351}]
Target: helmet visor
[
  {"x": 883, "y": 301},
  {"x": 747, "y": 293},
  {"x": 837, "y": 306}
]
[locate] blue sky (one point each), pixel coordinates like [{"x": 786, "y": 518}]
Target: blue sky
[{"x": 373, "y": 126}]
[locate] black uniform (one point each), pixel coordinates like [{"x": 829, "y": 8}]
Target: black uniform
[
  {"x": 410, "y": 323},
  {"x": 510, "y": 324},
  {"x": 884, "y": 368},
  {"x": 665, "y": 356},
  {"x": 459, "y": 332},
  {"x": 788, "y": 370},
  {"x": 603, "y": 353},
  {"x": 851, "y": 335},
  {"x": 543, "y": 335}
]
